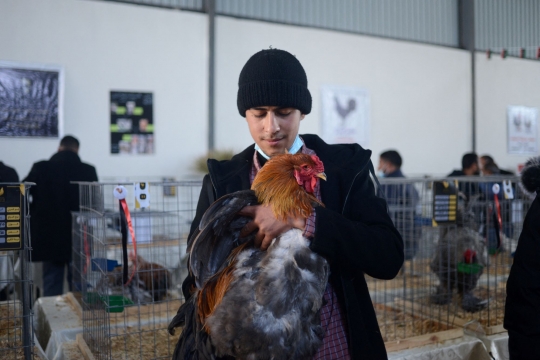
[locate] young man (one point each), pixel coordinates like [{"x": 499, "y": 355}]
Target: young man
[
  {"x": 53, "y": 200},
  {"x": 402, "y": 199},
  {"x": 353, "y": 231},
  {"x": 469, "y": 166}
]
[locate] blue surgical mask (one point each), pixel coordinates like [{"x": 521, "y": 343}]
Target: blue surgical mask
[
  {"x": 380, "y": 174},
  {"x": 296, "y": 146}
]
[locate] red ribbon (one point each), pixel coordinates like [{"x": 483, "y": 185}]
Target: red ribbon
[
  {"x": 86, "y": 249},
  {"x": 499, "y": 219},
  {"x": 132, "y": 232}
]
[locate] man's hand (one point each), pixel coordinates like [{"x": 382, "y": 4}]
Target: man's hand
[{"x": 267, "y": 225}]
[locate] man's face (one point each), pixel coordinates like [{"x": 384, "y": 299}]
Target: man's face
[
  {"x": 273, "y": 128},
  {"x": 482, "y": 164},
  {"x": 383, "y": 164}
]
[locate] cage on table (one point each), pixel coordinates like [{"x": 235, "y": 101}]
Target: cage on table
[
  {"x": 458, "y": 239},
  {"x": 16, "y": 331},
  {"x": 126, "y": 309}
]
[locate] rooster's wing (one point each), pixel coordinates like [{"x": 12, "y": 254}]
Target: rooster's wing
[{"x": 218, "y": 235}]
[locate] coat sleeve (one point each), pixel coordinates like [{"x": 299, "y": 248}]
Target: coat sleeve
[
  {"x": 364, "y": 239},
  {"x": 206, "y": 198}
]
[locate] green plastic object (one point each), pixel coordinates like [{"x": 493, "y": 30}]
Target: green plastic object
[
  {"x": 93, "y": 298},
  {"x": 116, "y": 303},
  {"x": 469, "y": 268}
]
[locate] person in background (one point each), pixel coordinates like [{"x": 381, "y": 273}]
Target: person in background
[
  {"x": 522, "y": 309},
  {"x": 53, "y": 199},
  {"x": 469, "y": 166},
  {"x": 470, "y": 190},
  {"x": 8, "y": 174},
  {"x": 402, "y": 199},
  {"x": 489, "y": 167}
]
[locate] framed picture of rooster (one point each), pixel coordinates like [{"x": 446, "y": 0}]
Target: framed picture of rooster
[
  {"x": 522, "y": 130},
  {"x": 31, "y": 98},
  {"x": 345, "y": 115}
]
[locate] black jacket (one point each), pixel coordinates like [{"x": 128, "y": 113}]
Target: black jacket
[
  {"x": 353, "y": 231},
  {"x": 53, "y": 199},
  {"x": 8, "y": 174},
  {"x": 522, "y": 311}
]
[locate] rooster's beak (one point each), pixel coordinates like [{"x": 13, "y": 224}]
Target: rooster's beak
[{"x": 322, "y": 176}]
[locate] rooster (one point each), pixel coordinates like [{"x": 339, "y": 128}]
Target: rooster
[
  {"x": 459, "y": 262},
  {"x": 149, "y": 281},
  {"x": 249, "y": 303},
  {"x": 150, "y": 277}
]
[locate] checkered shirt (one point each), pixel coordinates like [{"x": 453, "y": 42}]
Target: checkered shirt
[{"x": 333, "y": 321}]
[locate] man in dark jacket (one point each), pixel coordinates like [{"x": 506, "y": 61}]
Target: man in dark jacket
[
  {"x": 53, "y": 199},
  {"x": 353, "y": 231},
  {"x": 522, "y": 310},
  {"x": 8, "y": 174},
  {"x": 402, "y": 199}
]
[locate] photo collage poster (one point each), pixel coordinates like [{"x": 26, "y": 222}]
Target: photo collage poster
[{"x": 132, "y": 123}]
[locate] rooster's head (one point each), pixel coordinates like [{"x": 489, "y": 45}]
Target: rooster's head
[
  {"x": 309, "y": 169},
  {"x": 287, "y": 182}
]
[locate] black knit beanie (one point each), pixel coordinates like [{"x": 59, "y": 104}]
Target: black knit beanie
[{"x": 273, "y": 78}]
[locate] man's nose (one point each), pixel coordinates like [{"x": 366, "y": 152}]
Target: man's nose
[{"x": 271, "y": 123}]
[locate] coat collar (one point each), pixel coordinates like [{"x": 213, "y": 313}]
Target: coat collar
[
  {"x": 343, "y": 162},
  {"x": 66, "y": 155}
]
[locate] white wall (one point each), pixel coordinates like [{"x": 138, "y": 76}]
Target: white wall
[
  {"x": 109, "y": 46},
  {"x": 500, "y": 83},
  {"x": 420, "y": 94}
]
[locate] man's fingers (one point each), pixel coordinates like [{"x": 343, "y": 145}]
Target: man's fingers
[
  {"x": 247, "y": 211},
  {"x": 248, "y": 229},
  {"x": 259, "y": 237},
  {"x": 266, "y": 242}
]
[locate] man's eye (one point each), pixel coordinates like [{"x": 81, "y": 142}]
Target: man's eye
[
  {"x": 260, "y": 115},
  {"x": 284, "y": 114}
]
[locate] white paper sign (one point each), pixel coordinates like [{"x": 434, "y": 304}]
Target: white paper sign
[
  {"x": 522, "y": 130},
  {"x": 345, "y": 115}
]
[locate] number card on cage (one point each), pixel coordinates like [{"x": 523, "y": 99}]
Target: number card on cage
[
  {"x": 11, "y": 217},
  {"x": 444, "y": 202}
]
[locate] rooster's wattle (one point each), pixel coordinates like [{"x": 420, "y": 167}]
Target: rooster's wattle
[{"x": 248, "y": 303}]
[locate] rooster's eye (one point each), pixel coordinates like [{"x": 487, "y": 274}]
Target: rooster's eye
[{"x": 305, "y": 167}]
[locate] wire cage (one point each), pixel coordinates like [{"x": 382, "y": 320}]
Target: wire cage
[
  {"x": 128, "y": 300},
  {"x": 16, "y": 331},
  {"x": 459, "y": 236}
]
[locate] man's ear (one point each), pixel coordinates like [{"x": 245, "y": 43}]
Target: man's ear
[{"x": 302, "y": 116}]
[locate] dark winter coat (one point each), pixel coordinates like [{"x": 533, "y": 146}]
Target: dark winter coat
[
  {"x": 8, "y": 174},
  {"x": 522, "y": 312},
  {"x": 53, "y": 199},
  {"x": 353, "y": 231}
]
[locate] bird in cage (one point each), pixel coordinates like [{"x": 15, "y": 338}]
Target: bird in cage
[
  {"x": 459, "y": 261},
  {"x": 147, "y": 281},
  {"x": 251, "y": 303},
  {"x": 150, "y": 279}
]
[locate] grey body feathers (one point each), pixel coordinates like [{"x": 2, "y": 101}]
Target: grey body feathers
[{"x": 271, "y": 310}]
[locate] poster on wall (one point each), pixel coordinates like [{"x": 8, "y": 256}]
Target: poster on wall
[
  {"x": 345, "y": 115},
  {"x": 522, "y": 130},
  {"x": 30, "y": 100},
  {"x": 132, "y": 123}
]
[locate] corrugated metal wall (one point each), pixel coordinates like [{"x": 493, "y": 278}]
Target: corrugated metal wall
[
  {"x": 508, "y": 24},
  {"x": 430, "y": 21}
]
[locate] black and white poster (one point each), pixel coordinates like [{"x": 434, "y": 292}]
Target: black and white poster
[
  {"x": 522, "y": 130},
  {"x": 132, "y": 123},
  {"x": 30, "y": 100},
  {"x": 345, "y": 115}
]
